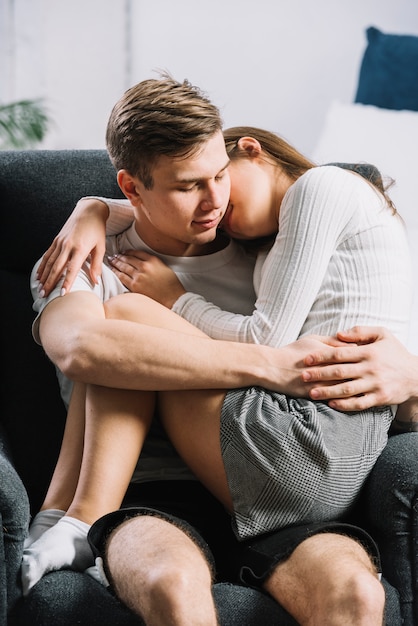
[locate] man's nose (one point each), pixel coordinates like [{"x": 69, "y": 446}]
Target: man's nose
[{"x": 214, "y": 198}]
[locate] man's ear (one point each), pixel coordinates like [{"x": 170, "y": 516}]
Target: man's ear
[
  {"x": 129, "y": 186},
  {"x": 251, "y": 146}
]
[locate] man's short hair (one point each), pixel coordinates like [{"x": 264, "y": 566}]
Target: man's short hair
[{"x": 159, "y": 117}]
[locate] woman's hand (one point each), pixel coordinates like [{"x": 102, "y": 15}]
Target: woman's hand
[
  {"x": 83, "y": 235},
  {"x": 374, "y": 369},
  {"x": 144, "y": 273}
]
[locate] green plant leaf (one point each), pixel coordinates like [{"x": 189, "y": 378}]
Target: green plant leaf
[{"x": 23, "y": 124}]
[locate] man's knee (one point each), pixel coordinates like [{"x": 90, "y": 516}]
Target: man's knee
[
  {"x": 154, "y": 566},
  {"x": 328, "y": 575},
  {"x": 362, "y": 593},
  {"x": 157, "y": 551}
]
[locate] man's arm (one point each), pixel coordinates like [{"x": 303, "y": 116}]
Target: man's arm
[
  {"x": 117, "y": 353},
  {"x": 374, "y": 369}
]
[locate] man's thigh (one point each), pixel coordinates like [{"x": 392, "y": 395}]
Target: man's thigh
[{"x": 190, "y": 506}]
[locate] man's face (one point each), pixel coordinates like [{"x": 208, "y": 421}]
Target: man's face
[{"x": 187, "y": 201}]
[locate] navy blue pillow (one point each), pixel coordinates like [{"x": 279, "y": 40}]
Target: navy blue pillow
[{"x": 389, "y": 71}]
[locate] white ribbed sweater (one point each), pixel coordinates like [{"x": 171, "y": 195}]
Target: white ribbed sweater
[{"x": 340, "y": 258}]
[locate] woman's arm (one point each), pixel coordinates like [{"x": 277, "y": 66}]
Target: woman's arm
[
  {"x": 309, "y": 231},
  {"x": 83, "y": 235}
]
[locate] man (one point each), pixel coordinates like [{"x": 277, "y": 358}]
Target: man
[{"x": 156, "y": 561}]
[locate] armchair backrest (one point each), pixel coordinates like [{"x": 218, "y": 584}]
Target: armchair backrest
[{"x": 38, "y": 190}]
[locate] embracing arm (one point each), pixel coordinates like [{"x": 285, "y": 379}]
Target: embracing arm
[
  {"x": 291, "y": 274},
  {"x": 293, "y": 271},
  {"x": 83, "y": 235},
  {"x": 118, "y": 353}
]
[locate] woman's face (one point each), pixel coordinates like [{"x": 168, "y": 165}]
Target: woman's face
[{"x": 251, "y": 210}]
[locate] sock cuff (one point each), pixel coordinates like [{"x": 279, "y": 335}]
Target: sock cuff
[
  {"x": 75, "y": 523},
  {"x": 48, "y": 514}
]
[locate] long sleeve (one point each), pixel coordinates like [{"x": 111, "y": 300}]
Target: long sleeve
[
  {"x": 121, "y": 214},
  {"x": 312, "y": 275}
]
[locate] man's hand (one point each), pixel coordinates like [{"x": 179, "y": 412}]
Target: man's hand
[
  {"x": 373, "y": 369},
  {"x": 83, "y": 235},
  {"x": 287, "y": 364},
  {"x": 145, "y": 273}
]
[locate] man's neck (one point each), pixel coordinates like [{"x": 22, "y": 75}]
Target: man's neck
[
  {"x": 180, "y": 249},
  {"x": 219, "y": 243}
]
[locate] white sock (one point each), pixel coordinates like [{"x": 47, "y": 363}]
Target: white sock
[
  {"x": 41, "y": 522},
  {"x": 97, "y": 572},
  {"x": 64, "y": 546}
]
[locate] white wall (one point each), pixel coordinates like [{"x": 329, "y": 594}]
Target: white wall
[
  {"x": 267, "y": 63},
  {"x": 71, "y": 54}
]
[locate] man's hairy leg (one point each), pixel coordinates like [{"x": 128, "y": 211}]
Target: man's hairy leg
[
  {"x": 160, "y": 573},
  {"x": 329, "y": 580}
]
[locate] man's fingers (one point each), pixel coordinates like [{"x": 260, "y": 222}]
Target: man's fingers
[
  {"x": 324, "y": 359},
  {"x": 350, "y": 395},
  {"x": 362, "y": 334},
  {"x": 342, "y": 370},
  {"x": 342, "y": 389},
  {"x": 355, "y": 403}
]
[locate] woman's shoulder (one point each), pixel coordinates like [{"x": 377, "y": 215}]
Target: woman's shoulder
[
  {"x": 322, "y": 180},
  {"x": 335, "y": 180},
  {"x": 319, "y": 173}
]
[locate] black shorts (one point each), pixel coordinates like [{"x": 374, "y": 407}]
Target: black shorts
[
  {"x": 260, "y": 556},
  {"x": 189, "y": 506}
]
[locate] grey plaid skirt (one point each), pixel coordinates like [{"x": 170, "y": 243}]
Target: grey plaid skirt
[{"x": 293, "y": 461}]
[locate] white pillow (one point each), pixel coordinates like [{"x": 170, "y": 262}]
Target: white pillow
[
  {"x": 357, "y": 133},
  {"x": 383, "y": 137}
]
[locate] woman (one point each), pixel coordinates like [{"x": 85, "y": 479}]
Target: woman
[
  {"x": 332, "y": 256},
  {"x": 330, "y": 244}
]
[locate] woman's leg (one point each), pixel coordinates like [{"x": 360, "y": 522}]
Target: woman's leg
[
  {"x": 332, "y": 571},
  {"x": 64, "y": 480},
  {"x": 117, "y": 422},
  {"x": 91, "y": 454},
  {"x": 192, "y": 422},
  {"x": 197, "y": 440}
]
